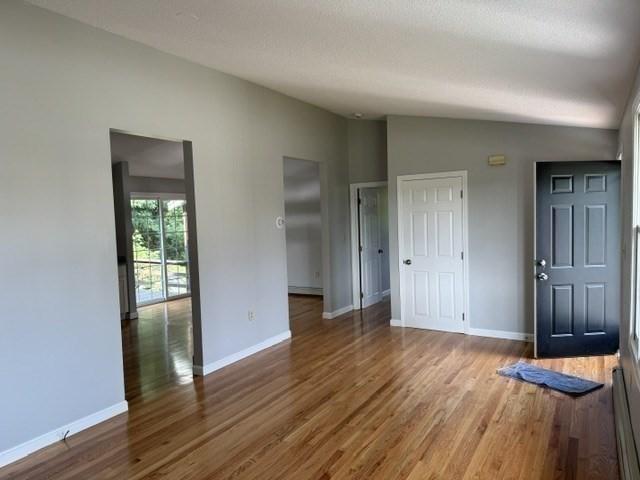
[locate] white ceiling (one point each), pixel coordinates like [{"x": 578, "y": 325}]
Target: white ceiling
[
  {"x": 148, "y": 157},
  {"x": 567, "y": 62}
]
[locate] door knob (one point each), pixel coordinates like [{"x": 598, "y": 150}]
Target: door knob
[
  {"x": 380, "y": 250},
  {"x": 407, "y": 261},
  {"x": 542, "y": 276},
  {"x": 541, "y": 263}
]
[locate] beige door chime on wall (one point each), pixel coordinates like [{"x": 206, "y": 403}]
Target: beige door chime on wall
[{"x": 497, "y": 160}]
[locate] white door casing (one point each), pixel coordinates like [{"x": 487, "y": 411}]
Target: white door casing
[
  {"x": 431, "y": 228},
  {"x": 371, "y": 254}
]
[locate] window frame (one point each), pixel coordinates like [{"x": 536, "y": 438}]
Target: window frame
[{"x": 634, "y": 330}]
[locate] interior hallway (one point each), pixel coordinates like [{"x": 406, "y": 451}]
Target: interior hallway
[
  {"x": 158, "y": 348},
  {"x": 354, "y": 398}
]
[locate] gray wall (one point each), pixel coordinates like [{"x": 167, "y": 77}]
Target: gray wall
[
  {"x": 302, "y": 207},
  {"x": 367, "y": 141},
  {"x": 124, "y": 231},
  {"x": 500, "y": 200},
  {"x": 386, "y": 279},
  {"x": 121, "y": 205},
  {"x": 63, "y": 85},
  {"x": 156, "y": 185},
  {"x": 630, "y": 365}
]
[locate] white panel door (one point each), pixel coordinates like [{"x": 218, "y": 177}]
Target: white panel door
[
  {"x": 370, "y": 241},
  {"x": 431, "y": 253}
]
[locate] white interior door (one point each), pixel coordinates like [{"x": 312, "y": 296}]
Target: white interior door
[
  {"x": 370, "y": 241},
  {"x": 431, "y": 253}
]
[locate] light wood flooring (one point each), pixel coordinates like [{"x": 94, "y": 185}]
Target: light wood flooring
[
  {"x": 158, "y": 349},
  {"x": 351, "y": 398}
]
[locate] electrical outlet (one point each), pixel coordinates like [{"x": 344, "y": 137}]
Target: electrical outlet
[{"x": 251, "y": 315}]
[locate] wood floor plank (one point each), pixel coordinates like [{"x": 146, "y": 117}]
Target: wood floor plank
[{"x": 348, "y": 398}]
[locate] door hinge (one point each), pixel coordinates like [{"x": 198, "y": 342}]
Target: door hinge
[
  {"x": 461, "y": 255},
  {"x": 461, "y": 193},
  {"x": 360, "y": 247},
  {"x": 359, "y": 201},
  {"x": 463, "y": 317},
  {"x": 361, "y": 295}
]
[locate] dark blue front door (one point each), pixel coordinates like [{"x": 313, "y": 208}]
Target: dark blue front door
[{"x": 577, "y": 258}]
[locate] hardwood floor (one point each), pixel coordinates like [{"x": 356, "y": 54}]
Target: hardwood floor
[
  {"x": 158, "y": 349},
  {"x": 352, "y": 398}
]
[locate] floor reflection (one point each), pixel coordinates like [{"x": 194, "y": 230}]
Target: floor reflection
[{"x": 158, "y": 348}]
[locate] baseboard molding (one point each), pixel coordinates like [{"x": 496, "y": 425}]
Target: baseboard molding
[
  {"x": 30, "y": 446},
  {"x": 202, "y": 370},
  {"x": 627, "y": 453},
  {"x": 386, "y": 293},
  {"x": 482, "y": 332},
  {"x": 305, "y": 291},
  {"x": 337, "y": 313}
]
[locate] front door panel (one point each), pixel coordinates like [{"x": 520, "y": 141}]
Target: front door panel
[{"x": 578, "y": 240}]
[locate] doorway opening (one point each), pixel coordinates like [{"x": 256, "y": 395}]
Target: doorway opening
[
  {"x": 160, "y": 247},
  {"x": 303, "y": 234},
  {"x": 369, "y": 243},
  {"x": 154, "y": 206}
]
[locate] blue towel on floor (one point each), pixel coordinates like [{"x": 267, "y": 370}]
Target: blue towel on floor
[{"x": 556, "y": 380}]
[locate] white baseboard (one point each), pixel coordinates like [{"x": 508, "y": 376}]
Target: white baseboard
[
  {"x": 228, "y": 360},
  {"x": 482, "y": 332},
  {"x": 386, "y": 293},
  {"x": 306, "y": 291},
  {"x": 337, "y": 313},
  {"x": 30, "y": 446},
  {"x": 627, "y": 454}
]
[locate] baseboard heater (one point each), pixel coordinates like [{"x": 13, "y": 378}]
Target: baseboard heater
[{"x": 627, "y": 453}]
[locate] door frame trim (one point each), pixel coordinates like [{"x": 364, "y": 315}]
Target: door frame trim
[
  {"x": 355, "y": 254},
  {"x": 463, "y": 174},
  {"x": 534, "y": 267}
]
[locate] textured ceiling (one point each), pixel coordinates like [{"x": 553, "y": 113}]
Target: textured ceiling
[{"x": 565, "y": 62}]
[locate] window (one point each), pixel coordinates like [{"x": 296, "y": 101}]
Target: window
[
  {"x": 174, "y": 213},
  {"x": 160, "y": 248}
]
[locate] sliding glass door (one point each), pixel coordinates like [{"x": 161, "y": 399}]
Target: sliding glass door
[
  {"x": 160, "y": 242},
  {"x": 174, "y": 214}
]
